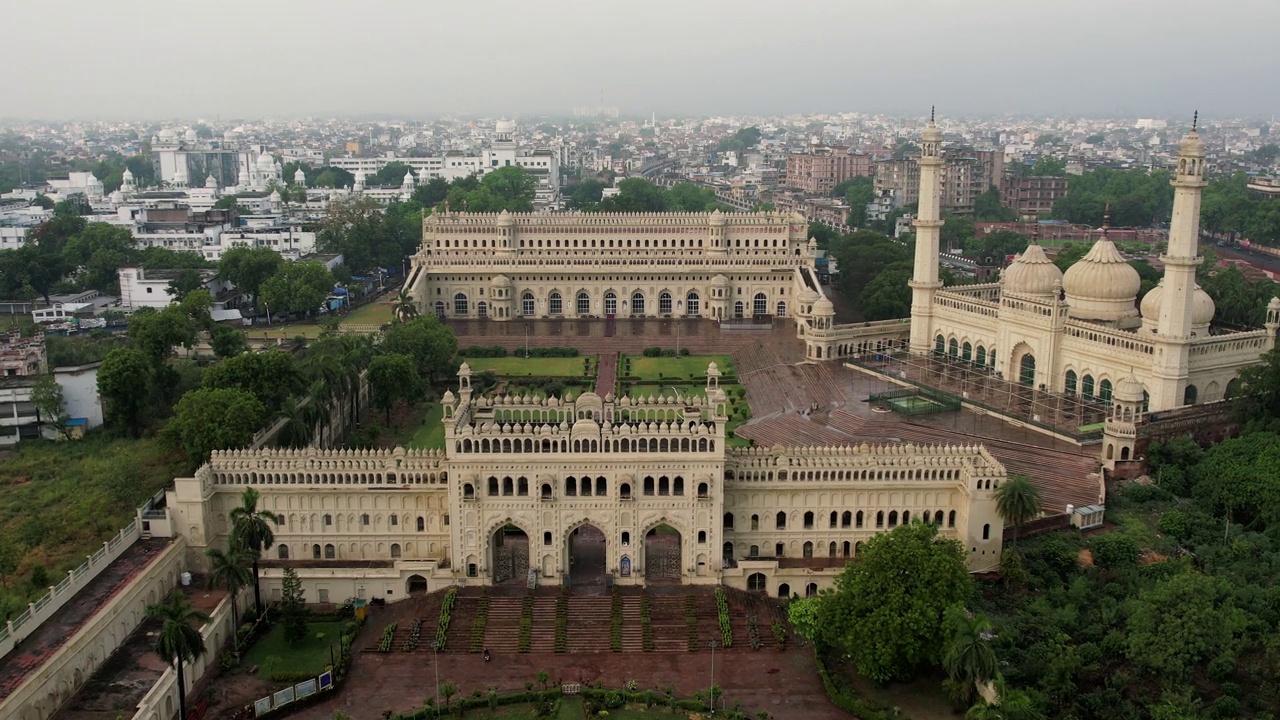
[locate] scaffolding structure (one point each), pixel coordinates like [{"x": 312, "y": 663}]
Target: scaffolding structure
[{"x": 1075, "y": 416}]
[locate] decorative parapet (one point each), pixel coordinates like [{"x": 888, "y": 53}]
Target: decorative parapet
[
  {"x": 308, "y": 466},
  {"x": 864, "y": 462}
]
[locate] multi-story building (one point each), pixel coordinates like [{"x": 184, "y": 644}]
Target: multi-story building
[
  {"x": 966, "y": 174},
  {"x": 819, "y": 171},
  {"x": 505, "y": 266},
  {"x": 1032, "y": 196}
]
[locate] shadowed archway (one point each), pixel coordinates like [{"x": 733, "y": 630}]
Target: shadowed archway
[
  {"x": 510, "y": 554},
  {"x": 586, "y": 556},
  {"x": 662, "y": 554}
]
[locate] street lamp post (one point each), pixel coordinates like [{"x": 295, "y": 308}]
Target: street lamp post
[{"x": 711, "y": 692}]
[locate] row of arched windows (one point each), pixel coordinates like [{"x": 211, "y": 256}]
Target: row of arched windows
[
  {"x": 966, "y": 352},
  {"x": 547, "y": 445},
  {"x": 852, "y": 519}
]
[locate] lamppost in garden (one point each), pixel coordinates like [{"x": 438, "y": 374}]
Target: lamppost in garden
[{"x": 711, "y": 692}]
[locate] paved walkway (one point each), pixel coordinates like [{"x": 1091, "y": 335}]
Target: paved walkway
[
  {"x": 607, "y": 374},
  {"x": 36, "y": 648}
]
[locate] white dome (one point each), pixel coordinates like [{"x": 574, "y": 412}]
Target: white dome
[
  {"x": 808, "y": 296},
  {"x": 1102, "y": 285},
  {"x": 1202, "y": 307},
  {"x": 500, "y": 281},
  {"x": 167, "y": 134},
  {"x": 505, "y": 127},
  {"x": 1031, "y": 273},
  {"x": 266, "y": 161},
  {"x": 823, "y": 307},
  {"x": 190, "y": 135},
  {"x": 274, "y": 196},
  {"x": 209, "y": 182},
  {"x": 720, "y": 281},
  {"x": 408, "y": 178},
  {"x": 1128, "y": 390},
  {"x": 717, "y": 217},
  {"x": 299, "y": 176},
  {"x": 127, "y": 175}
]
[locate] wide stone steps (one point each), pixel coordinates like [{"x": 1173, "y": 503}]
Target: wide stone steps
[
  {"x": 543, "y": 639},
  {"x": 632, "y": 632},
  {"x": 502, "y": 631},
  {"x": 666, "y": 616},
  {"x": 588, "y": 624}
]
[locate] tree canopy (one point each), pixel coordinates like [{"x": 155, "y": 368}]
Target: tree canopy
[
  {"x": 214, "y": 419},
  {"x": 247, "y": 268},
  {"x": 297, "y": 287}
]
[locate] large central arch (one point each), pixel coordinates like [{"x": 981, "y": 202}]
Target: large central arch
[
  {"x": 663, "y": 559},
  {"x": 509, "y": 548},
  {"x": 588, "y": 555}
]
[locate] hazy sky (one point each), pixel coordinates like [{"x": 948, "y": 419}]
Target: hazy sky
[{"x": 423, "y": 58}]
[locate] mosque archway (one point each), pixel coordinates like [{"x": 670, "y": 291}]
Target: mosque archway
[
  {"x": 662, "y": 554},
  {"x": 587, "y": 556},
  {"x": 510, "y": 550}
]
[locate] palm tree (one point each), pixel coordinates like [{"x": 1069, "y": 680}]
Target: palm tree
[
  {"x": 1018, "y": 502},
  {"x": 968, "y": 659},
  {"x": 405, "y": 309},
  {"x": 251, "y": 532},
  {"x": 1011, "y": 705},
  {"x": 300, "y": 421},
  {"x": 179, "y": 640},
  {"x": 228, "y": 570}
]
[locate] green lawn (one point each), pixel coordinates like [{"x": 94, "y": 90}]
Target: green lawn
[
  {"x": 375, "y": 313},
  {"x": 660, "y": 368},
  {"x": 570, "y": 367},
  {"x": 59, "y": 501},
  {"x": 430, "y": 435},
  {"x": 309, "y": 656},
  {"x": 307, "y": 330}
]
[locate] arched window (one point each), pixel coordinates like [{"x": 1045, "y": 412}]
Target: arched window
[
  {"x": 546, "y": 537},
  {"x": 624, "y": 491},
  {"x": 584, "y": 303},
  {"x": 880, "y": 519},
  {"x": 610, "y": 303},
  {"x": 727, "y": 553},
  {"x": 808, "y": 520},
  {"x": 858, "y": 520},
  {"x": 570, "y": 487},
  {"x": 555, "y": 305},
  {"x": 953, "y": 349},
  {"x": 330, "y": 553},
  {"x": 1072, "y": 383},
  {"x": 702, "y": 537},
  {"x": 637, "y": 303},
  {"x": 648, "y": 485},
  {"x": 966, "y": 352},
  {"x": 1027, "y": 370},
  {"x": 703, "y": 491},
  {"x": 692, "y": 304},
  {"x": 940, "y": 345},
  {"x": 760, "y": 305},
  {"x": 282, "y": 552},
  {"x": 835, "y": 518},
  {"x": 440, "y": 309},
  {"x": 493, "y": 486},
  {"x": 756, "y": 582},
  {"x": 315, "y": 552},
  {"x": 808, "y": 549},
  {"x": 395, "y": 550},
  {"x": 1189, "y": 395},
  {"x": 468, "y": 492},
  {"x": 460, "y": 304},
  {"x": 664, "y": 303},
  {"x": 1104, "y": 391},
  {"x": 782, "y": 309},
  {"x": 780, "y": 521},
  {"x": 784, "y": 590},
  {"x": 981, "y": 359},
  {"x": 738, "y": 309},
  {"x": 422, "y": 524},
  {"x": 986, "y": 532},
  {"x": 728, "y": 521},
  {"x": 754, "y": 551},
  {"x": 893, "y": 518},
  {"x": 755, "y": 522},
  {"x": 951, "y": 519},
  {"x": 846, "y": 519},
  {"x": 526, "y": 304},
  {"x": 546, "y": 491},
  {"x": 1087, "y": 387}
]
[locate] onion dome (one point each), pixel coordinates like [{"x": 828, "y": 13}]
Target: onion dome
[
  {"x": 500, "y": 281},
  {"x": 720, "y": 281},
  {"x": 1031, "y": 273},
  {"x": 505, "y": 219},
  {"x": 717, "y": 217},
  {"x": 808, "y": 296},
  {"x": 168, "y": 134},
  {"x": 266, "y": 161},
  {"x": 1102, "y": 285},
  {"x": 823, "y": 306},
  {"x": 1128, "y": 390},
  {"x": 190, "y": 135},
  {"x": 1202, "y": 308}
]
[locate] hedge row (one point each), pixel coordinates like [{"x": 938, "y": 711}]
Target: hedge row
[
  {"x": 846, "y": 698},
  {"x": 499, "y": 351}
]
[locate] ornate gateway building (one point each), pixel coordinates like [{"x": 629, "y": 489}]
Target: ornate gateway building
[
  {"x": 549, "y": 491},
  {"x": 505, "y": 266}
]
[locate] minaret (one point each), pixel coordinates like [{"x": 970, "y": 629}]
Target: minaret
[
  {"x": 1173, "y": 331},
  {"x": 928, "y": 224}
]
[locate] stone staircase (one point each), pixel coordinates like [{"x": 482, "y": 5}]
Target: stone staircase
[
  {"x": 589, "y": 624},
  {"x": 632, "y": 633},
  {"x": 666, "y": 616},
  {"x": 502, "y": 631},
  {"x": 543, "y": 639}
]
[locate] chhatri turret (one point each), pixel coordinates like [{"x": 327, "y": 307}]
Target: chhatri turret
[
  {"x": 1177, "y": 317},
  {"x": 928, "y": 224}
]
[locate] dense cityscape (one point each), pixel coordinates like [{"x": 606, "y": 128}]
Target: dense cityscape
[{"x": 655, "y": 405}]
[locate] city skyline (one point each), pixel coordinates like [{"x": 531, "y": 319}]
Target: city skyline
[{"x": 971, "y": 59}]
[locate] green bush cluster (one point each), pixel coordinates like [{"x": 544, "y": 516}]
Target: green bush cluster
[
  {"x": 652, "y": 352},
  {"x": 753, "y": 632},
  {"x": 726, "y": 627},
  {"x": 615, "y": 622},
  {"x": 498, "y": 351},
  {"x": 843, "y": 696},
  {"x": 446, "y": 610},
  {"x": 646, "y": 628},
  {"x": 477, "y": 625},
  {"x": 526, "y": 624},
  {"x": 483, "y": 351},
  {"x": 415, "y": 635},
  {"x": 388, "y": 635},
  {"x": 562, "y": 623}
]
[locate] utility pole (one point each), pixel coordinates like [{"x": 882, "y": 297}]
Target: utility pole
[{"x": 711, "y": 692}]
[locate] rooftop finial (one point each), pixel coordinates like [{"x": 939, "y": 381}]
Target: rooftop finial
[
  {"x": 1035, "y": 233},
  {"x": 931, "y": 111},
  {"x": 1106, "y": 219},
  {"x": 1195, "y": 120}
]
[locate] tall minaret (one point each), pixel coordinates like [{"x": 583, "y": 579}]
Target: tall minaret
[
  {"x": 1173, "y": 331},
  {"x": 928, "y": 224}
]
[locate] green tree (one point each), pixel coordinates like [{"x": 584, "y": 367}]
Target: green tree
[
  {"x": 332, "y": 177},
  {"x": 98, "y": 252},
  {"x": 161, "y": 258},
  {"x": 887, "y": 611},
  {"x": 247, "y": 268},
  {"x": 636, "y": 195},
  {"x": 405, "y": 308},
  {"x": 858, "y": 196},
  {"x": 297, "y": 287},
  {"x": 123, "y": 382},
  {"x": 969, "y": 658},
  {"x": 448, "y": 689},
  {"x": 804, "y": 615},
  {"x": 391, "y": 174},
  {"x": 513, "y": 186},
  {"x": 228, "y": 570},
  {"x": 293, "y": 611},
  {"x": 156, "y": 332},
  {"x": 251, "y": 531},
  {"x": 987, "y": 207},
  {"x": 1182, "y": 622},
  {"x": 270, "y": 376},
  {"x": 1069, "y": 254},
  {"x": 47, "y": 398},
  {"x": 1047, "y": 165},
  {"x": 393, "y": 378},
  {"x": 214, "y": 419},
  {"x": 1240, "y": 478},
  {"x": 429, "y": 342},
  {"x": 227, "y": 341},
  {"x": 584, "y": 194},
  {"x": 432, "y": 192},
  {"x": 178, "y": 640},
  {"x": 360, "y": 230},
  {"x": 995, "y": 246},
  {"x": 184, "y": 283},
  {"x": 689, "y": 197},
  {"x": 11, "y": 552},
  {"x": 300, "y": 418},
  {"x": 956, "y": 232},
  {"x": 1258, "y": 394},
  {"x": 1017, "y": 501}
]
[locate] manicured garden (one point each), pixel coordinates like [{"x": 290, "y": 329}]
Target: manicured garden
[
  {"x": 515, "y": 367},
  {"x": 375, "y": 313},
  {"x": 273, "y": 656},
  {"x": 430, "y": 434},
  {"x": 685, "y": 367}
]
